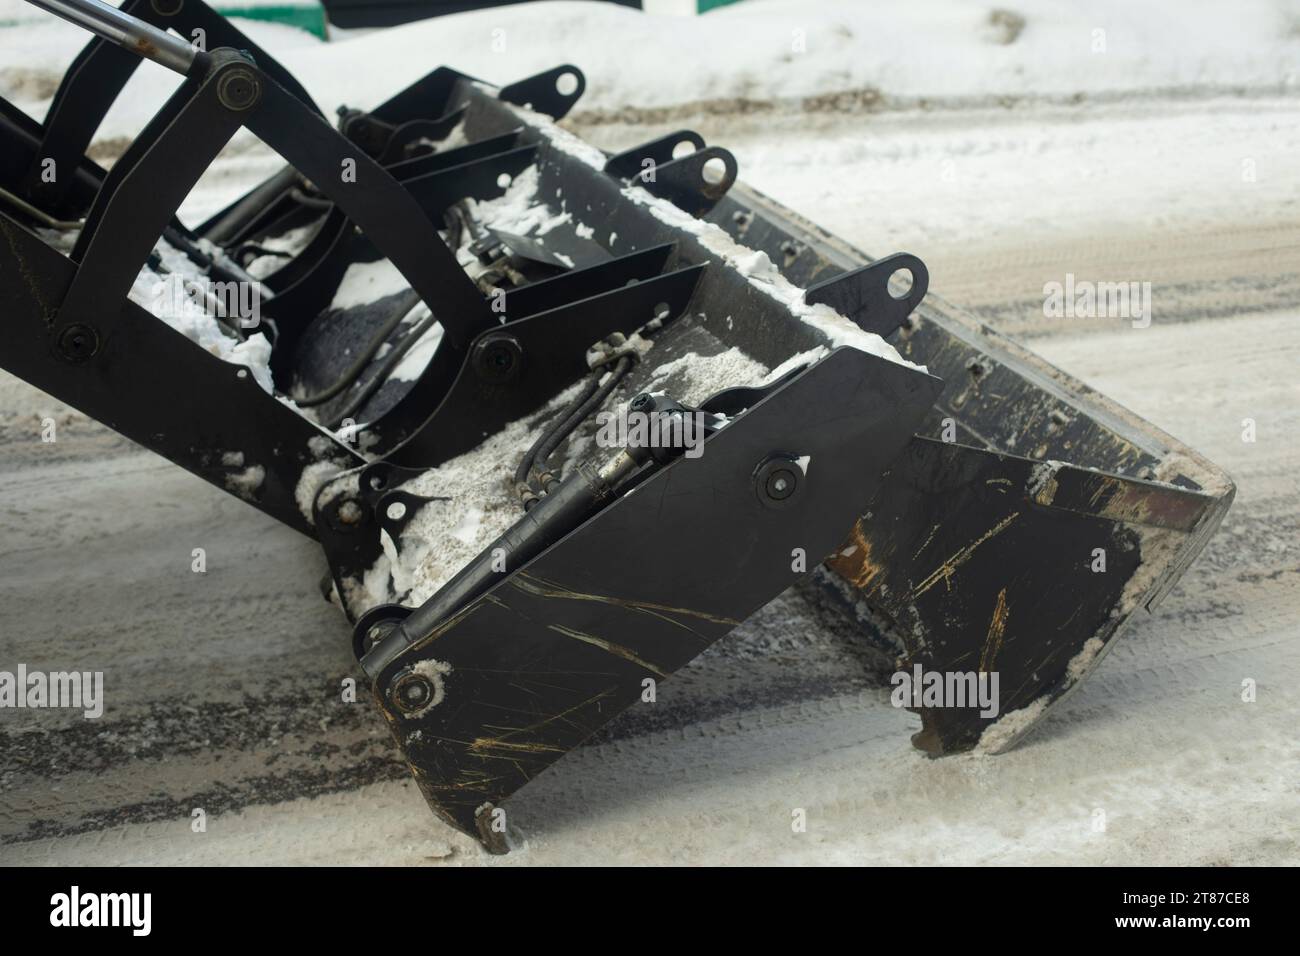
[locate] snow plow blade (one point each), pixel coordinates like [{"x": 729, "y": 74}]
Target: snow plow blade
[{"x": 560, "y": 420}]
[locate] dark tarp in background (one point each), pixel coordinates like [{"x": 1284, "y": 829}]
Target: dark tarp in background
[{"x": 386, "y": 13}]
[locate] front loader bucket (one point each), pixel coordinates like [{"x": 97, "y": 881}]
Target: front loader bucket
[
  {"x": 1029, "y": 518},
  {"x": 560, "y": 420}
]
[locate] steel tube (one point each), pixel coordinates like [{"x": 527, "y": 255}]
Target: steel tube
[{"x": 124, "y": 30}]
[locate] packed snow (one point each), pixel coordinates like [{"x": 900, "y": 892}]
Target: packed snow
[{"x": 923, "y": 54}]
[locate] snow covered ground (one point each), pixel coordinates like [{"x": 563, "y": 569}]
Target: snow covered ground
[{"x": 1005, "y": 149}]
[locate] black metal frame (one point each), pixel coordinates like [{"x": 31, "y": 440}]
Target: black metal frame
[{"x": 451, "y": 405}]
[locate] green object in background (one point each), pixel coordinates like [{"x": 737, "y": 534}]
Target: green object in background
[
  {"x": 704, "y": 6},
  {"x": 304, "y": 16}
]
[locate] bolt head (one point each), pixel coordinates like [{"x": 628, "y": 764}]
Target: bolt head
[
  {"x": 777, "y": 480},
  {"x": 781, "y": 484},
  {"x": 375, "y": 625},
  {"x": 238, "y": 89},
  {"x": 350, "y": 512},
  {"x": 410, "y": 692},
  {"x": 498, "y": 358},
  {"x": 78, "y": 343},
  {"x": 376, "y": 633}
]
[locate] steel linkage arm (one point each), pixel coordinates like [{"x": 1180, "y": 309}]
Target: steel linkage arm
[
  {"x": 95, "y": 79},
  {"x": 195, "y": 408},
  {"x": 73, "y": 332}
]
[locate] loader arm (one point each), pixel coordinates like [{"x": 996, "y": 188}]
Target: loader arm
[{"x": 95, "y": 79}]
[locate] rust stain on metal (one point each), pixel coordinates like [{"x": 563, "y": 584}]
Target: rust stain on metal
[
  {"x": 855, "y": 562},
  {"x": 1119, "y": 499},
  {"x": 997, "y": 627},
  {"x": 945, "y": 571},
  {"x": 1125, "y": 502},
  {"x": 1104, "y": 483},
  {"x": 1046, "y": 492}
]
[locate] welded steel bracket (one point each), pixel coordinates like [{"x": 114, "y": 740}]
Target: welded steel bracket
[
  {"x": 693, "y": 179},
  {"x": 863, "y": 294},
  {"x": 552, "y": 92}
]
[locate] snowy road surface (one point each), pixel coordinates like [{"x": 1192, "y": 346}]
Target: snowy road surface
[{"x": 223, "y": 687}]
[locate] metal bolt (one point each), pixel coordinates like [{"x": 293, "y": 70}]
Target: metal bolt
[
  {"x": 375, "y": 625},
  {"x": 347, "y": 517},
  {"x": 776, "y": 480},
  {"x": 410, "y": 692},
  {"x": 780, "y": 485},
  {"x": 78, "y": 343},
  {"x": 377, "y": 632},
  {"x": 642, "y": 402},
  {"x": 498, "y": 358},
  {"x": 238, "y": 89}
]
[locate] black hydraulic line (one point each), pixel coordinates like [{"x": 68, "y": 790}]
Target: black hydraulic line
[
  {"x": 575, "y": 499},
  {"x": 391, "y": 360},
  {"x": 522, "y": 486},
  {"x": 155, "y": 265},
  {"x": 312, "y": 202},
  {"x": 583, "y": 412},
  {"x": 405, "y": 304},
  {"x": 203, "y": 260},
  {"x": 455, "y": 228},
  {"x": 577, "y": 412},
  {"x": 44, "y": 218}
]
